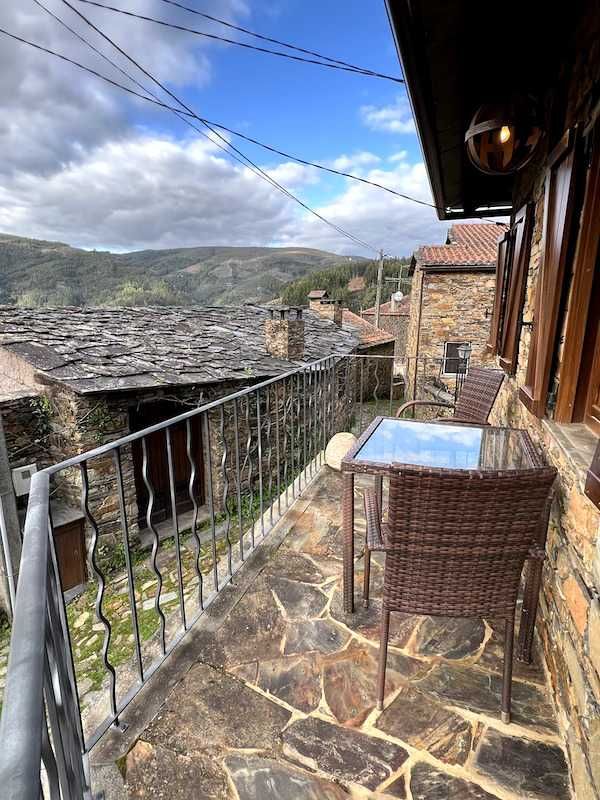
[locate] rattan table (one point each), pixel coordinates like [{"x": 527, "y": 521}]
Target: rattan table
[{"x": 441, "y": 445}]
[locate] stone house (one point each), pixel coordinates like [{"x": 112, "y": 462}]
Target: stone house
[
  {"x": 73, "y": 379},
  {"x": 451, "y": 303},
  {"x": 393, "y": 318},
  {"x": 544, "y": 330},
  {"x": 375, "y": 344}
]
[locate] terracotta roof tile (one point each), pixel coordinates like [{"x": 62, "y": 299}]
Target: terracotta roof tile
[
  {"x": 368, "y": 334},
  {"x": 468, "y": 244},
  {"x": 402, "y": 308}
]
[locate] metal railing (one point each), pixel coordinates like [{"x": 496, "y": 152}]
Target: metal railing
[{"x": 247, "y": 457}]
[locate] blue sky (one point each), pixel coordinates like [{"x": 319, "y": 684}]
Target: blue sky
[{"x": 88, "y": 165}]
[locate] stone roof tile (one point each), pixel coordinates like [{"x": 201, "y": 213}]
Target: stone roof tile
[{"x": 119, "y": 349}]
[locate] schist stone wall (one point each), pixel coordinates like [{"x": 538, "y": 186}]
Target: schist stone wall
[
  {"x": 570, "y": 606},
  {"x": 448, "y": 306},
  {"x": 395, "y": 323}
]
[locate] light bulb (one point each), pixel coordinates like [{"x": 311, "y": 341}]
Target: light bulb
[{"x": 504, "y": 134}]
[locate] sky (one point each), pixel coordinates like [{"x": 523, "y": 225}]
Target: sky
[{"x": 87, "y": 164}]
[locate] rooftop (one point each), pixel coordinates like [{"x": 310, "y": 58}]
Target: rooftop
[
  {"x": 368, "y": 334},
  {"x": 110, "y": 349},
  {"x": 385, "y": 309},
  {"x": 467, "y": 245},
  {"x": 273, "y": 696}
]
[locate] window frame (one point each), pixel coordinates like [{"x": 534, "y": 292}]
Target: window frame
[
  {"x": 444, "y": 373},
  {"x": 555, "y": 246}
]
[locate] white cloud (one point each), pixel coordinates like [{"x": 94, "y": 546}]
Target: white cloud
[
  {"x": 76, "y": 166},
  {"x": 292, "y": 174},
  {"x": 53, "y": 113},
  {"x": 355, "y": 161},
  {"x": 394, "y": 118}
]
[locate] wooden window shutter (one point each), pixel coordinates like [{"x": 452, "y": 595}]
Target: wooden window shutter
[
  {"x": 558, "y": 208},
  {"x": 579, "y": 382},
  {"x": 510, "y": 333},
  {"x": 592, "y": 484},
  {"x": 502, "y": 266}
]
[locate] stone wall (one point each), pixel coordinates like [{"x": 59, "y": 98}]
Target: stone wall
[
  {"x": 25, "y": 426},
  {"x": 394, "y": 323},
  {"x": 569, "y": 622},
  {"x": 446, "y": 307}
]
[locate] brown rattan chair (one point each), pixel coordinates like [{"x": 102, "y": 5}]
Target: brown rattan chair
[
  {"x": 476, "y": 398},
  {"x": 455, "y": 543}
]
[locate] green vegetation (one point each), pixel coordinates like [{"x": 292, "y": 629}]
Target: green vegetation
[
  {"x": 335, "y": 282},
  {"x": 40, "y": 273}
]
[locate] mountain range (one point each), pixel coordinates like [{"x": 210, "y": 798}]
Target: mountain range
[{"x": 42, "y": 273}]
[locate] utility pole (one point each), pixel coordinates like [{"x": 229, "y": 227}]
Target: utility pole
[
  {"x": 379, "y": 286},
  {"x": 10, "y": 552}
]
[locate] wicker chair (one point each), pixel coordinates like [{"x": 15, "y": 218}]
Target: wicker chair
[
  {"x": 475, "y": 401},
  {"x": 455, "y": 543}
]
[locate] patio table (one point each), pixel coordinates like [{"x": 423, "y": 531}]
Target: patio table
[{"x": 441, "y": 445}]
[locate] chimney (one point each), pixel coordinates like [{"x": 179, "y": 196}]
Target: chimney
[
  {"x": 284, "y": 334},
  {"x": 330, "y": 309}
]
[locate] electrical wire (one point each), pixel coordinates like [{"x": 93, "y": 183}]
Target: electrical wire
[
  {"x": 227, "y": 144},
  {"x": 184, "y": 116},
  {"x": 246, "y": 45},
  {"x": 246, "y": 162},
  {"x": 264, "y": 38}
]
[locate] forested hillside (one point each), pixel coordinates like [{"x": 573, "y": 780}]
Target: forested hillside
[
  {"x": 336, "y": 280},
  {"x": 38, "y": 273}
]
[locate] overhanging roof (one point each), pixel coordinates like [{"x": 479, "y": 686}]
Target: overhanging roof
[{"x": 457, "y": 55}]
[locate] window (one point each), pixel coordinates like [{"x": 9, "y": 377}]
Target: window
[
  {"x": 453, "y": 364},
  {"x": 511, "y": 278},
  {"x": 559, "y": 196},
  {"x": 579, "y": 372}
]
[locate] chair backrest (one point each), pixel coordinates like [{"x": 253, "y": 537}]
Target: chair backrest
[
  {"x": 458, "y": 539},
  {"x": 478, "y": 394}
]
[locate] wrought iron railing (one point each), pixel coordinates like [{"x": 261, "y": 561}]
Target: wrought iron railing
[{"x": 259, "y": 449}]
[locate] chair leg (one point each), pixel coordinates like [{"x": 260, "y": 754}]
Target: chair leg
[
  {"x": 366, "y": 576},
  {"x": 383, "y": 645},
  {"x": 509, "y": 636}
]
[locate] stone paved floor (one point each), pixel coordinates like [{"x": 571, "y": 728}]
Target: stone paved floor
[{"x": 280, "y": 703}]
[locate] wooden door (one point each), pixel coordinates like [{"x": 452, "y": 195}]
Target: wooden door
[
  {"x": 70, "y": 553},
  {"x": 158, "y": 467}
]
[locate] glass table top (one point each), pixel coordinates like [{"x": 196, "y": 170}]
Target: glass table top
[{"x": 400, "y": 441}]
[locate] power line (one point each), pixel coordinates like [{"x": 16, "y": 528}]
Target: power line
[
  {"x": 276, "y": 41},
  {"x": 246, "y": 45},
  {"x": 184, "y": 115},
  {"x": 246, "y": 162},
  {"x": 227, "y": 144}
]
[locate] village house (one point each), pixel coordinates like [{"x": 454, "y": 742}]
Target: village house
[
  {"x": 451, "y": 304},
  {"x": 393, "y": 318},
  {"x": 543, "y": 326},
  {"x": 74, "y": 378}
]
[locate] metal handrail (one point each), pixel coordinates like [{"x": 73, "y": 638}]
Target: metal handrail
[
  {"x": 41, "y": 719},
  {"x": 23, "y": 707}
]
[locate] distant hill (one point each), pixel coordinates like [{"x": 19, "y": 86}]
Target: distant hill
[{"x": 38, "y": 273}]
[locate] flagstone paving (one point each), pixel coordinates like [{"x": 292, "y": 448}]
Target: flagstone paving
[{"x": 280, "y": 704}]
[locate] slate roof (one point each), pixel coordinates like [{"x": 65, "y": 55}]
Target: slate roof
[
  {"x": 369, "y": 335},
  {"x": 120, "y": 349},
  {"x": 468, "y": 244}
]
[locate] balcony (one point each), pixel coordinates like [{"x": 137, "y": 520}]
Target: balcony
[{"x": 221, "y": 663}]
